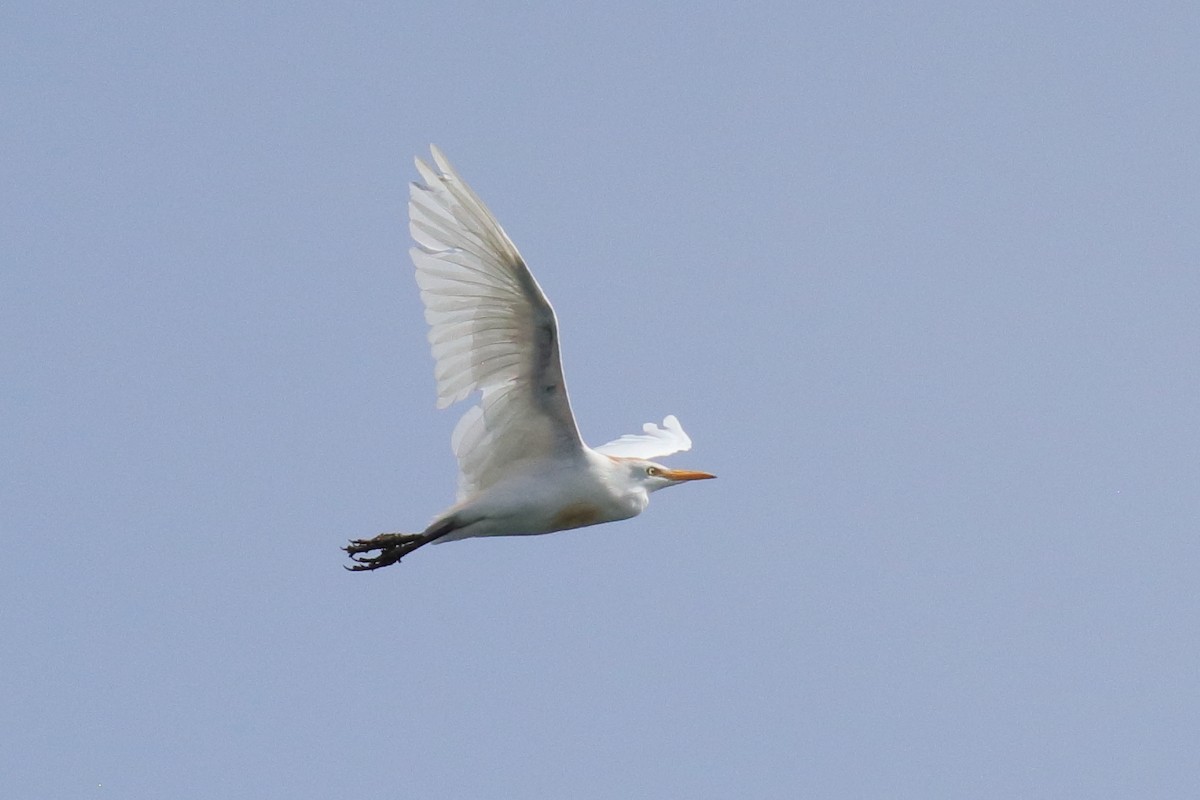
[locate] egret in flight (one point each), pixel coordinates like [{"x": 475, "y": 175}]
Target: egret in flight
[{"x": 523, "y": 469}]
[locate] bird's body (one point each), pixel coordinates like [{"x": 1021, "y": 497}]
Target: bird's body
[
  {"x": 548, "y": 496},
  {"x": 524, "y": 469}
]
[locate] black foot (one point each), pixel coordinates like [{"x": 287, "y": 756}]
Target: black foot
[{"x": 391, "y": 546}]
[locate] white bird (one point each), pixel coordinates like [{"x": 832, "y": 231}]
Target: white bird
[{"x": 523, "y": 467}]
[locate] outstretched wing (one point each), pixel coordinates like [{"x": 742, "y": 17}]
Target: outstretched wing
[
  {"x": 492, "y": 330},
  {"x": 653, "y": 442}
]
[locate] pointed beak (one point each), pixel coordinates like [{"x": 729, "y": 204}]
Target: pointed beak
[{"x": 680, "y": 475}]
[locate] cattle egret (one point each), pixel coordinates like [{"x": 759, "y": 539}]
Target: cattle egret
[{"x": 523, "y": 468}]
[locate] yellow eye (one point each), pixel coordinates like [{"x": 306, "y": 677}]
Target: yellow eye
[{"x": 652, "y": 471}]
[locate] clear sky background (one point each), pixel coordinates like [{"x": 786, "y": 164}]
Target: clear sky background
[{"x": 921, "y": 281}]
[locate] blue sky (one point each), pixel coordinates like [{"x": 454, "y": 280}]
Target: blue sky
[{"x": 920, "y": 281}]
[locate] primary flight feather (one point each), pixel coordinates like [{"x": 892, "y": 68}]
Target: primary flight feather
[{"x": 523, "y": 468}]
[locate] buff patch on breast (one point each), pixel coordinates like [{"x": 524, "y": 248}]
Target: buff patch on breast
[{"x": 576, "y": 515}]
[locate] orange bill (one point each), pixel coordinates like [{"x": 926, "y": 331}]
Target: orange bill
[{"x": 685, "y": 475}]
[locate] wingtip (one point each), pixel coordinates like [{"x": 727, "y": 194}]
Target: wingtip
[
  {"x": 439, "y": 158},
  {"x": 671, "y": 423},
  {"x": 435, "y": 155}
]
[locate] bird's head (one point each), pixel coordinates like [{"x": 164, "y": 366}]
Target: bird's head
[{"x": 653, "y": 476}]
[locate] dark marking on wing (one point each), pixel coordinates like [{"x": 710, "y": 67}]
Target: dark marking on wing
[{"x": 545, "y": 367}]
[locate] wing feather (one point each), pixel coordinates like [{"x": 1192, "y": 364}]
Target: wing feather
[
  {"x": 652, "y": 442},
  {"x": 491, "y": 330}
]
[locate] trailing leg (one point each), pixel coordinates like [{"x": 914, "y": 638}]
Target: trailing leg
[{"x": 391, "y": 546}]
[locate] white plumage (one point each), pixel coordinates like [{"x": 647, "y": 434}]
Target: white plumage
[
  {"x": 523, "y": 467},
  {"x": 652, "y": 442}
]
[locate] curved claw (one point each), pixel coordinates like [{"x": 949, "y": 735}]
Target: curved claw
[{"x": 391, "y": 546}]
